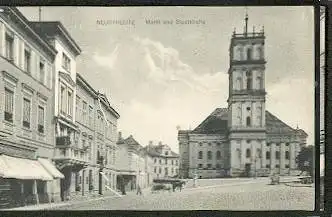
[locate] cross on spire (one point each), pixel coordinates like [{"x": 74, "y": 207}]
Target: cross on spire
[{"x": 246, "y": 22}]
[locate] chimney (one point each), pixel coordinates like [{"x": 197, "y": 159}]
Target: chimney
[
  {"x": 120, "y": 136},
  {"x": 150, "y": 143},
  {"x": 160, "y": 143}
]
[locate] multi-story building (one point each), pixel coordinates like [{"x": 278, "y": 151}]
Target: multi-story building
[
  {"x": 130, "y": 163},
  {"x": 243, "y": 139},
  {"x": 70, "y": 158},
  {"x": 165, "y": 161},
  {"x": 97, "y": 124},
  {"x": 26, "y": 113}
]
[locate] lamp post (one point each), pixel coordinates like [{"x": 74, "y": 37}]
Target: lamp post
[{"x": 101, "y": 162}]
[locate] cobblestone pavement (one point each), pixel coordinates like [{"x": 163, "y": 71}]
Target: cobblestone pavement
[{"x": 244, "y": 195}]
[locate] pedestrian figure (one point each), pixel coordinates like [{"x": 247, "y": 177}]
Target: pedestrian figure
[{"x": 139, "y": 191}]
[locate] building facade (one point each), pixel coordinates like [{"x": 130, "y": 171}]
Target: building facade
[
  {"x": 27, "y": 174},
  {"x": 165, "y": 161},
  {"x": 243, "y": 139}
]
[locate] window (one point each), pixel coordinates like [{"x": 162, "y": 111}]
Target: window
[
  {"x": 248, "y": 153},
  {"x": 159, "y": 161},
  {"x": 200, "y": 155},
  {"x": 277, "y": 155},
  {"x": 277, "y": 166},
  {"x": 9, "y": 105},
  {"x": 65, "y": 62},
  {"x": 209, "y": 143},
  {"x": 172, "y": 162},
  {"x": 166, "y": 153},
  {"x": 248, "y": 121},
  {"x": 155, "y": 169},
  {"x": 70, "y": 103},
  {"x": 200, "y": 165},
  {"x": 239, "y": 83},
  {"x": 27, "y": 60},
  {"x": 159, "y": 170},
  {"x": 209, "y": 166},
  {"x": 248, "y": 108},
  {"x": 166, "y": 171},
  {"x": 200, "y": 144},
  {"x": 249, "y": 80},
  {"x": 85, "y": 107},
  {"x": 259, "y": 83},
  {"x": 287, "y": 166},
  {"x": 218, "y": 155},
  {"x": 249, "y": 54},
  {"x": 278, "y": 144},
  {"x": 78, "y": 109},
  {"x": 218, "y": 166},
  {"x": 172, "y": 170},
  {"x": 9, "y": 46},
  {"x": 165, "y": 161},
  {"x": 218, "y": 143},
  {"x": 267, "y": 166},
  {"x": 26, "y": 112},
  {"x": 287, "y": 155},
  {"x": 42, "y": 72},
  {"x": 267, "y": 144},
  {"x": 155, "y": 160},
  {"x": 268, "y": 155},
  {"x": 209, "y": 155},
  {"x": 62, "y": 100},
  {"x": 240, "y": 50},
  {"x": 41, "y": 118},
  {"x": 287, "y": 144},
  {"x": 90, "y": 150},
  {"x": 91, "y": 116},
  {"x": 260, "y": 53},
  {"x": 176, "y": 162}
]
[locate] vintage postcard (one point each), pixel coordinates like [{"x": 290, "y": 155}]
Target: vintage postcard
[{"x": 157, "y": 108}]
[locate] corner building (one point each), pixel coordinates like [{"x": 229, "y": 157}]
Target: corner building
[{"x": 243, "y": 139}]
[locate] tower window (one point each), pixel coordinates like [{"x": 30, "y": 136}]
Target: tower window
[
  {"x": 239, "y": 83},
  {"x": 248, "y": 108},
  {"x": 249, "y": 54},
  {"x": 249, "y": 80},
  {"x": 277, "y": 155},
  {"x": 287, "y": 155},
  {"x": 267, "y": 155},
  {"x": 259, "y": 83},
  {"x": 209, "y": 155},
  {"x": 260, "y": 53},
  {"x": 248, "y": 153},
  {"x": 218, "y": 155},
  {"x": 248, "y": 121},
  {"x": 200, "y": 155}
]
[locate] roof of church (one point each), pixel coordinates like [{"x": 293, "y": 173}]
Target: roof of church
[{"x": 216, "y": 122}]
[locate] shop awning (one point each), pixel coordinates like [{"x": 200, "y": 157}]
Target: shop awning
[
  {"x": 50, "y": 167},
  {"x": 20, "y": 168}
]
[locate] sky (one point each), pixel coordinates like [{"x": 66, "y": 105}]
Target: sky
[{"x": 161, "y": 77}]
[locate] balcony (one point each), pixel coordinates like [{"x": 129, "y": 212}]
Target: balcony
[{"x": 68, "y": 155}]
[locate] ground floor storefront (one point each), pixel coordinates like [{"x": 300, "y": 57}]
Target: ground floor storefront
[{"x": 27, "y": 181}]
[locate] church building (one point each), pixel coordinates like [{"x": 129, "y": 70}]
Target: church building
[{"x": 243, "y": 139}]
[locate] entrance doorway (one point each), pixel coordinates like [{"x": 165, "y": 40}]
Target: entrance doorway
[{"x": 247, "y": 169}]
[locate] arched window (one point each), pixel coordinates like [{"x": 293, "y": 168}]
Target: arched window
[
  {"x": 200, "y": 155},
  {"x": 237, "y": 53},
  {"x": 259, "y": 83},
  {"x": 260, "y": 53},
  {"x": 240, "y": 53},
  {"x": 238, "y": 152},
  {"x": 258, "y": 153},
  {"x": 277, "y": 155},
  {"x": 239, "y": 85},
  {"x": 209, "y": 155},
  {"x": 248, "y": 121},
  {"x": 249, "y": 80},
  {"x": 267, "y": 155},
  {"x": 287, "y": 155},
  {"x": 218, "y": 155},
  {"x": 249, "y": 53},
  {"x": 248, "y": 153}
]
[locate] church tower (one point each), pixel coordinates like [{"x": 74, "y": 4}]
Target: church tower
[{"x": 246, "y": 103}]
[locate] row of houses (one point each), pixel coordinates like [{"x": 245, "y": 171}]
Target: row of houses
[{"x": 58, "y": 135}]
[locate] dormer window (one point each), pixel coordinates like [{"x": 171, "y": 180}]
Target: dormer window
[{"x": 166, "y": 152}]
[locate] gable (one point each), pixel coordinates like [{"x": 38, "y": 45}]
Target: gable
[{"x": 275, "y": 126}]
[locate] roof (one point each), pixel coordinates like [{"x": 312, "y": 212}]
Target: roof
[
  {"x": 47, "y": 29},
  {"x": 216, "y": 123},
  {"x": 130, "y": 141},
  {"x": 156, "y": 151},
  {"x": 28, "y": 27}
]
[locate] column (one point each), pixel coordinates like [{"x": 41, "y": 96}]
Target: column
[
  {"x": 22, "y": 197},
  {"x": 292, "y": 156},
  {"x": 2, "y": 39},
  {"x": 243, "y": 153},
  {"x": 83, "y": 182},
  {"x": 282, "y": 158},
  {"x": 272, "y": 156},
  {"x": 35, "y": 192}
]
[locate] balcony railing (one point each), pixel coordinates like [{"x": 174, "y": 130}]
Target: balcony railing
[
  {"x": 63, "y": 141},
  {"x": 250, "y": 92},
  {"x": 248, "y": 61},
  {"x": 248, "y": 34},
  {"x": 71, "y": 153}
]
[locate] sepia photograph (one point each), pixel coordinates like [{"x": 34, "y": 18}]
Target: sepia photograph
[{"x": 158, "y": 108}]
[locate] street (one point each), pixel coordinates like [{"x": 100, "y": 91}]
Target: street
[{"x": 239, "y": 194}]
